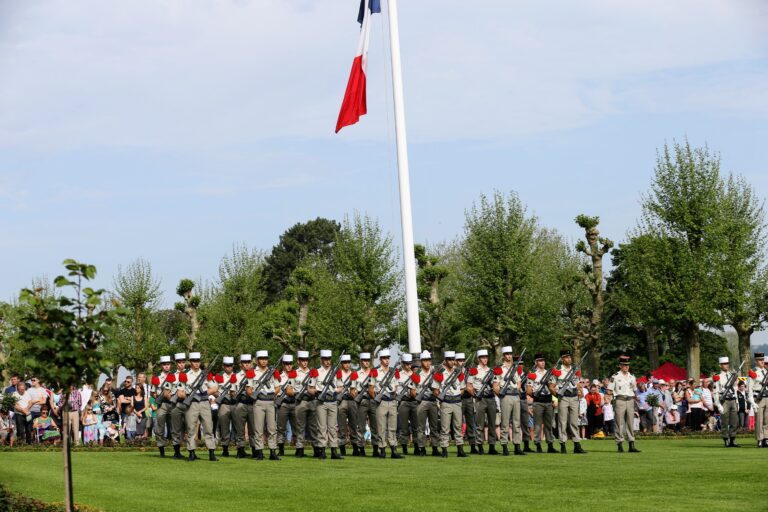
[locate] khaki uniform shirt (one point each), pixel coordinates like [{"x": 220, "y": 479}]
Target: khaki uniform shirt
[
  {"x": 455, "y": 389},
  {"x": 515, "y": 378},
  {"x": 477, "y": 381},
  {"x": 755, "y": 385},
  {"x": 623, "y": 385},
  {"x": 393, "y": 386},
  {"x": 268, "y": 389},
  {"x": 566, "y": 389},
  {"x": 539, "y": 387},
  {"x": 202, "y": 393},
  {"x": 334, "y": 383},
  {"x": 721, "y": 394},
  {"x": 297, "y": 383}
]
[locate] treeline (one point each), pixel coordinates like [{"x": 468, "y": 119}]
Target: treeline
[{"x": 693, "y": 264}]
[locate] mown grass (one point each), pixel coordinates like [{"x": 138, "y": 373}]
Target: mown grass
[{"x": 680, "y": 475}]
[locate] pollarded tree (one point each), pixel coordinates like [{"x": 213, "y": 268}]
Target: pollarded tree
[
  {"x": 436, "y": 278},
  {"x": 189, "y": 306}
]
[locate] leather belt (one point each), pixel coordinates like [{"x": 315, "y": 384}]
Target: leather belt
[{"x": 452, "y": 399}]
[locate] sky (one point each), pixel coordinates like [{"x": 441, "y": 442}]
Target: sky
[{"x": 174, "y": 130}]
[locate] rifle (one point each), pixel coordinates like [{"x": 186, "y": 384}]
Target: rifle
[
  {"x": 345, "y": 387},
  {"x": 385, "y": 385},
  {"x": 486, "y": 380},
  {"x": 545, "y": 380},
  {"x": 511, "y": 373},
  {"x": 267, "y": 375},
  {"x": 364, "y": 385},
  {"x": 161, "y": 395},
  {"x": 199, "y": 381},
  {"x": 426, "y": 388},
  {"x": 571, "y": 372},
  {"x": 279, "y": 399},
  {"x": 224, "y": 392},
  {"x": 731, "y": 381},
  {"x": 763, "y": 385},
  {"x": 449, "y": 383},
  {"x": 329, "y": 378},
  {"x": 401, "y": 395}
]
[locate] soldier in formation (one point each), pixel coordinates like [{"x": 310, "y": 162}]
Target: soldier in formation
[{"x": 758, "y": 396}]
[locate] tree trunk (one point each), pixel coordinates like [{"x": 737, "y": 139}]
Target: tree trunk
[
  {"x": 653, "y": 347},
  {"x": 691, "y": 336},
  {"x": 68, "y": 497},
  {"x": 745, "y": 352}
]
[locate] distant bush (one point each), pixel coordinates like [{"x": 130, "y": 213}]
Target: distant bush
[{"x": 15, "y": 502}]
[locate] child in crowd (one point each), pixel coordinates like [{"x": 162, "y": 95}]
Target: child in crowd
[
  {"x": 90, "y": 426},
  {"x": 129, "y": 424},
  {"x": 609, "y": 423},
  {"x": 7, "y": 428}
]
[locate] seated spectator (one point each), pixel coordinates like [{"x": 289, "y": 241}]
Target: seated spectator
[
  {"x": 46, "y": 428},
  {"x": 7, "y": 428}
]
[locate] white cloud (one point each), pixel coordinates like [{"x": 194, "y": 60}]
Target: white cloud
[{"x": 178, "y": 74}]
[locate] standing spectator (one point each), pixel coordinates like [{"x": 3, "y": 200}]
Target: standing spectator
[
  {"x": 108, "y": 407},
  {"x": 7, "y": 428},
  {"x": 37, "y": 397},
  {"x": 743, "y": 404},
  {"x": 86, "y": 393},
  {"x": 645, "y": 410},
  {"x": 129, "y": 423},
  {"x": 140, "y": 411},
  {"x": 125, "y": 396},
  {"x": 141, "y": 381},
  {"x": 73, "y": 415},
  {"x": 594, "y": 411},
  {"x": 90, "y": 426},
  {"x": 151, "y": 415},
  {"x": 12, "y": 388},
  {"x": 22, "y": 416},
  {"x": 707, "y": 394},
  {"x": 583, "y": 416},
  {"x": 678, "y": 395},
  {"x": 693, "y": 395},
  {"x": 609, "y": 423}
]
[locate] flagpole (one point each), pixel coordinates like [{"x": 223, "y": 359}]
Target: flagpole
[{"x": 406, "y": 216}]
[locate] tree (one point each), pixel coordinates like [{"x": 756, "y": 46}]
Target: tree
[
  {"x": 137, "y": 341},
  {"x": 681, "y": 214},
  {"x": 436, "y": 278},
  {"x": 64, "y": 336},
  {"x": 594, "y": 248},
  {"x": 313, "y": 238},
  {"x": 189, "y": 307}
]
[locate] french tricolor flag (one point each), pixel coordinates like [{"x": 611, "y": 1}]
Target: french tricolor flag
[{"x": 354, "y": 105}]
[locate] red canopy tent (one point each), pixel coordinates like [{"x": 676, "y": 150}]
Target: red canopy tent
[{"x": 669, "y": 371}]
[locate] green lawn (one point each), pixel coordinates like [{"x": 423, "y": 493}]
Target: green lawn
[{"x": 688, "y": 474}]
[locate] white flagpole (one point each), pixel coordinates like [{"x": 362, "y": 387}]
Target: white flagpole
[{"x": 406, "y": 217}]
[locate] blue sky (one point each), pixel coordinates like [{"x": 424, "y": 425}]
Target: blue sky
[{"x": 172, "y": 130}]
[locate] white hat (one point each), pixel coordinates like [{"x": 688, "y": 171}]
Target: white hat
[
  {"x": 460, "y": 355},
  {"x": 261, "y": 354},
  {"x": 302, "y": 354},
  {"x": 724, "y": 360},
  {"x": 287, "y": 358},
  {"x": 506, "y": 350},
  {"x": 482, "y": 352},
  {"x": 325, "y": 353},
  {"x": 165, "y": 359},
  {"x": 425, "y": 355},
  {"x": 596, "y": 382},
  {"x": 384, "y": 353},
  {"x": 227, "y": 360},
  {"x": 194, "y": 355},
  {"x": 245, "y": 357},
  {"x": 662, "y": 381},
  {"x": 180, "y": 356},
  {"x": 406, "y": 358},
  {"x": 449, "y": 354},
  {"x": 365, "y": 355},
  {"x": 345, "y": 358}
]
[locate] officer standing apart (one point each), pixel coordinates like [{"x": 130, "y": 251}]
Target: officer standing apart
[
  {"x": 324, "y": 388},
  {"x": 178, "y": 424},
  {"x": 407, "y": 418},
  {"x": 161, "y": 387},
  {"x": 543, "y": 410},
  {"x": 568, "y": 392},
  {"x": 725, "y": 400},
  {"x": 426, "y": 408},
  {"x": 199, "y": 411},
  {"x": 366, "y": 408},
  {"x": 227, "y": 384},
  {"x": 509, "y": 401},
  {"x": 347, "y": 417},
  {"x": 384, "y": 381},
  {"x": 467, "y": 403},
  {"x": 244, "y": 409},
  {"x": 264, "y": 418},
  {"x": 450, "y": 408},
  {"x": 305, "y": 403},
  {"x": 623, "y": 385},
  {"x": 287, "y": 411},
  {"x": 759, "y": 398}
]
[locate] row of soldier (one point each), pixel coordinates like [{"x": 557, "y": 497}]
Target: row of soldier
[{"x": 335, "y": 403}]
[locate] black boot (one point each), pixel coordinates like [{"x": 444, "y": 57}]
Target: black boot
[
  {"x": 259, "y": 454},
  {"x": 355, "y": 450},
  {"x": 505, "y": 450},
  {"x": 480, "y": 450},
  {"x": 177, "y": 452},
  {"x": 473, "y": 449},
  {"x": 443, "y": 452},
  {"x": 299, "y": 453},
  {"x": 382, "y": 453},
  {"x": 361, "y": 451},
  {"x": 436, "y": 453},
  {"x": 733, "y": 443},
  {"x": 538, "y": 448},
  {"x": 765, "y": 443},
  {"x": 405, "y": 449},
  {"x": 725, "y": 443},
  {"x": 192, "y": 456},
  {"x": 254, "y": 453},
  {"x": 460, "y": 451},
  {"x": 551, "y": 448},
  {"x": 212, "y": 455},
  {"x": 527, "y": 447},
  {"x": 492, "y": 450},
  {"x": 241, "y": 453},
  {"x": 518, "y": 451},
  {"x": 225, "y": 451},
  {"x": 632, "y": 448},
  {"x": 393, "y": 453},
  {"x": 281, "y": 449},
  {"x": 342, "y": 450},
  {"x": 162, "y": 451},
  {"x": 562, "y": 448},
  {"x": 321, "y": 453},
  {"x": 375, "y": 451},
  {"x": 335, "y": 455},
  {"x": 620, "y": 447},
  {"x": 316, "y": 452},
  {"x": 578, "y": 449},
  {"x": 273, "y": 455}
]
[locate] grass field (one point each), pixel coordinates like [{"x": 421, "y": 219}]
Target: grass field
[{"x": 679, "y": 475}]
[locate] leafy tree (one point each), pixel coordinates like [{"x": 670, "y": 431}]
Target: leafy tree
[
  {"x": 313, "y": 238},
  {"x": 64, "y": 336},
  {"x": 436, "y": 278},
  {"x": 189, "y": 305}
]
